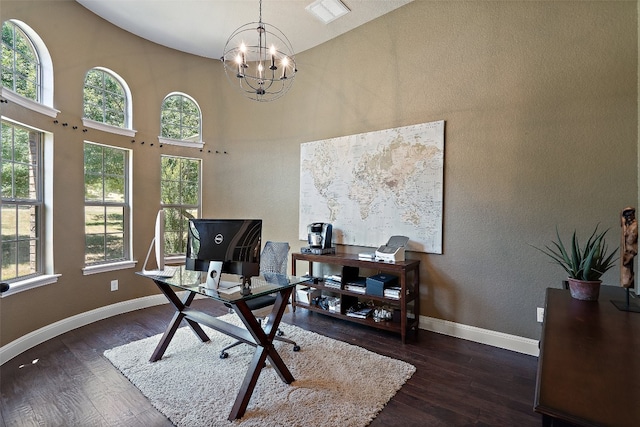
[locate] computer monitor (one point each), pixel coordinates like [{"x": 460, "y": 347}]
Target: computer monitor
[
  {"x": 157, "y": 245},
  {"x": 233, "y": 243}
]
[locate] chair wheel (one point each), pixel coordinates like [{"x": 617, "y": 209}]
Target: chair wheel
[
  {"x": 296, "y": 348},
  {"x": 224, "y": 355}
]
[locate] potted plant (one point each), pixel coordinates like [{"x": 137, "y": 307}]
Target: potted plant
[{"x": 584, "y": 265}]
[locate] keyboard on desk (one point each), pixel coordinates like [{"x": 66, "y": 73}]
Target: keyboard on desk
[
  {"x": 167, "y": 272},
  {"x": 227, "y": 286},
  {"x": 258, "y": 282}
]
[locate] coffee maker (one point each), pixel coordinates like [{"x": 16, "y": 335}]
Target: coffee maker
[{"x": 319, "y": 239}]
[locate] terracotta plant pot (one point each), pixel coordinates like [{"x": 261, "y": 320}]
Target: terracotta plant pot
[{"x": 584, "y": 290}]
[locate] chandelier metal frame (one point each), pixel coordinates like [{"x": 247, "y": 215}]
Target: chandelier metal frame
[{"x": 263, "y": 71}]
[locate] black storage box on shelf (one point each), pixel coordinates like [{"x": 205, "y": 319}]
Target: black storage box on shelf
[{"x": 377, "y": 283}]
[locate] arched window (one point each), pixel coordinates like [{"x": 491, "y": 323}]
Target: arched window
[
  {"x": 107, "y": 98},
  {"x": 20, "y": 63},
  {"x": 180, "y": 118},
  {"x": 26, "y": 68}
]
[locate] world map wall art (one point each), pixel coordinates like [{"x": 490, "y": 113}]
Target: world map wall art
[{"x": 375, "y": 185}]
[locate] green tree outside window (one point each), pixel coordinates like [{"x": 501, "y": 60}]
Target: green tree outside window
[
  {"x": 105, "y": 100},
  {"x": 106, "y": 204},
  {"x": 20, "y": 66},
  {"x": 22, "y": 202},
  {"x": 180, "y": 118},
  {"x": 180, "y": 199}
]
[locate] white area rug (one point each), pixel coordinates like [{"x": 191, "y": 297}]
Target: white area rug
[{"x": 337, "y": 384}]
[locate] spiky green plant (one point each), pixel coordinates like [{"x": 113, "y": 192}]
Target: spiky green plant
[{"x": 587, "y": 263}]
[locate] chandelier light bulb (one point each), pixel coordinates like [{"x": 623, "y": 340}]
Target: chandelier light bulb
[{"x": 272, "y": 51}]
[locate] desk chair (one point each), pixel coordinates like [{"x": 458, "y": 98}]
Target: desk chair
[{"x": 273, "y": 259}]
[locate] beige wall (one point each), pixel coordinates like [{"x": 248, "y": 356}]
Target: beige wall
[{"x": 540, "y": 104}]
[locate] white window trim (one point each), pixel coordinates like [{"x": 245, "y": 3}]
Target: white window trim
[
  {"x": 180, "y": 142},
  {"x": 30, "y": 283},
  {"x": 27, "y": 103},
  {"x": 111, "y": 266},
  {"x": 108, "y": 128}
]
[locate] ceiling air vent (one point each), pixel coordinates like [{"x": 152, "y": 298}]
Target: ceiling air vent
[{"x": 327, "y": 10}]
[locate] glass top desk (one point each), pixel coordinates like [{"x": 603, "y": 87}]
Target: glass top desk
[{"x": 261, "y": 337}]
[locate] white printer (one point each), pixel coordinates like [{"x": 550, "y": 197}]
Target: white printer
[{"x": 394, "y": 249}]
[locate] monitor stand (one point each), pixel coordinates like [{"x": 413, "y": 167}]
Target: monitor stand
[{"x": 213, "y": 275}]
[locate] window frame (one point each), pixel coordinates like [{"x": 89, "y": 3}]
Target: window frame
[
  {"x": 19, "y": 33},
  {"x": 181, "y": 117},
  {"x": 36, "y": 202},
  {"x": 43, "y": 274},
  {"x": 44, "y": 105},
  {"x": 125, "y": 261},
  {"x": 181, "y": 142},
  {"x": 171, "y": 255},
  {"x": 126, "y": 129}
]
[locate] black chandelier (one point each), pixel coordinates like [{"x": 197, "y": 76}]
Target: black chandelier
[{"x": 263, "y": 71}]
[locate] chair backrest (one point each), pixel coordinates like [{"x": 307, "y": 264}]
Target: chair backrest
[{"x": 274, "y": 257}]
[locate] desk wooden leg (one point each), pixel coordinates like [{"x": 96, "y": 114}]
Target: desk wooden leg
[
  {"x": 167, "y": 337},
  {"x": 179, "y": 305},
  {"x": 264, "y": 349},
  {"x": 249, "y": 383},
  {"x": 271, "y": 329},
  {"x": 265, "y": 337}
]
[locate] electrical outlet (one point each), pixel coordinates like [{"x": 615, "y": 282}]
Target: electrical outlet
[
  {"x": 540, "y": 314},
  {"x": 114, "y": 285}
]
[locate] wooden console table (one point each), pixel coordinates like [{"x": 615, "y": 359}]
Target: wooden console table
[
  {"x": 589, "y": 363},
  {"x": 408, "y": 273}
]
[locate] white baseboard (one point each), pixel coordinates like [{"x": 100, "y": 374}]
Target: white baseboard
[
  {"x": 479, "y": 335},
  {"x": 32, "y": 339},
  {"x": 457, "y": 330}
]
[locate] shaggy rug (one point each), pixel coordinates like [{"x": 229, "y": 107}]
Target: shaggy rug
[{"x": 336, "y": 383}]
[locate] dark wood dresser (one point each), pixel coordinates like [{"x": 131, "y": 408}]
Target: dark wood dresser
[{"x": 589, "y": 364}]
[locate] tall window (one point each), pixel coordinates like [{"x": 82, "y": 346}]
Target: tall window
[
  {"x": 180, "y": 194},
  {"x": 22, "y": 202},
  {"x": 105, "y": 98},
  {"x": 20, "y": 63},
  {"x": 180, "y": 118},
  {"x": 106, "y": 211}
]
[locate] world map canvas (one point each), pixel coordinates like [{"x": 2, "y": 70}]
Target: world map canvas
[{"x": 375, "y": 185}]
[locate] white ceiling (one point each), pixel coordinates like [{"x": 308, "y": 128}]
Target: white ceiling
[{"x": 201, "y": 27}]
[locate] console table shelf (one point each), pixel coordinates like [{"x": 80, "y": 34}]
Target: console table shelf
[{"x": 408, "y": 273}]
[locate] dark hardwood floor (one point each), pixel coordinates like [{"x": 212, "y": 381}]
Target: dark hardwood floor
[{"x": 66, "y": 381}]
